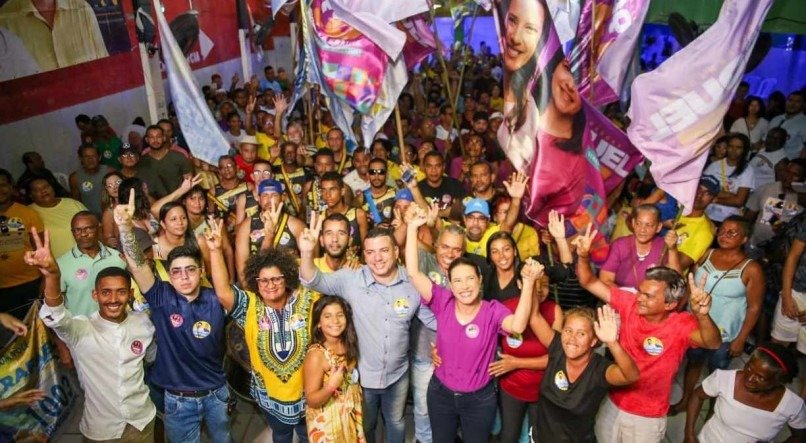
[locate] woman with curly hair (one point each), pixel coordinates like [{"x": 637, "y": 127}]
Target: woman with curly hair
[
  {"x": 332, "y": 392},
  {"x": 274, "y": 311}
]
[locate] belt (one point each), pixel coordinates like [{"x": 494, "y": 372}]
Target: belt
[{"x": 194, "y": 394}]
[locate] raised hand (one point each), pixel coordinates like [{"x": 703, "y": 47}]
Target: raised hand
[
  {"x": 532, "y": 270},
  {"x": 583, "y": 241},
  {"x": 516, "y": 185},
  {"x": 280, "y": 103},
  {"x": 556, "y": 224},
  {"x": 700, "y": 301},
  {"x": 41, "y": 257},
  {"x": 214, "y": 233},
  {"x": 670, "y": 239},
  {"x": 606, "y": 325},
  {"x": 418, "y": 216},
  {"x": 397, "y": 219},
  {"x": 124, "y": 214},
  {"x": 250, "y": 104},
  {"x": 310, "y": 235},
  {"x": 189, "y": 183},
  {"x": 236, "y": 79},
  {"x": 433, "y": 214},
  {"x": 275, "y": 212}
]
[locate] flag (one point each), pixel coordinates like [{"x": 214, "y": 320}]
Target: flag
[
  {"x": 28, "y": 362},
  {"x": 605, "y": 42},
  {"x": 199, "y": 128},
  {"x": 358, "y": 52},
  {"x": 677, "y": 109}
]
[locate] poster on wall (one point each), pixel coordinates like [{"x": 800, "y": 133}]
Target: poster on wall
[{"x": 41, "y": 36}]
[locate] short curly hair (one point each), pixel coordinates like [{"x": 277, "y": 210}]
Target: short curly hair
[{"x": 280, "y": 257}]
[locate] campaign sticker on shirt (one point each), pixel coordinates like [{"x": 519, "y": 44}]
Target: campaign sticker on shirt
[
  {"x": 82, "y": 274},
  {"x": 137, "y": 347},
  {"x": 387, "y": 212},
  {"x": 107, "y": 154},
  {"x": 514, "y": 340},
  {"x": 653, "y": 346},
  {"x": 201, "y": 329},
  {"x": 176, "y": 320},
  {"x": 354, "y": 376},
  {"x": 297, "y": 188},
  {"x": 264, "y": 324},
  {"x": 86, "y": 186},
  {"x": 437, "y": 278},
  {"x": 297, "y": 322},
  {"x": 560, "y": 380},
  {"x": 140, "y": 306},
  {"x": 471, "y": 330},
  {"x": 401, "y": 307},
  {"x": 285, "y": 238}
]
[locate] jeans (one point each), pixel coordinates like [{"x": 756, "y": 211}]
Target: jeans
[
  {"x": 183, "y": 416},
  {"x": 421, "y": 372},
  {"x": 473, "y": 411},
  {"x": 513, "y": 412},
  {"x": 391, "y": 402},
  {"x": 284, "y": 433}
]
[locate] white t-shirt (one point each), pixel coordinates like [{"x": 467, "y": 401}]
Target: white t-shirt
[
  {"x": 772, "y": 206},
  {"x": 763, "y": 165},
  {"x": 796, "y": 129},
  {"x": 757, "y": 133},
  {"x": 722, "y": 171},
  {"x": 737, "y": 422}
]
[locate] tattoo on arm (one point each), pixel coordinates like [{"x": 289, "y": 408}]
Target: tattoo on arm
[{"x": 130, "y": 248}]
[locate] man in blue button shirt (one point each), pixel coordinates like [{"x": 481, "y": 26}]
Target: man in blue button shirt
[
  {"x": 384, "y": 303},
  {"x": 189, "y": 324}
]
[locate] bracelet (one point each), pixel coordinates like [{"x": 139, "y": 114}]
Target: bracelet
[
  {"x": 52, "y": 298},
  {"x": 583, "y": 257}
]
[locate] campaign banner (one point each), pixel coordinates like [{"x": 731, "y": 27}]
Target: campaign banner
[
  {"x": 677, "y": 109},
  {"x": 571, "y": 152},
  {"x": 28, "y": 362}
]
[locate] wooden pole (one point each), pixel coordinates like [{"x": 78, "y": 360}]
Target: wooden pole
[{"x": 400, "y": 139}]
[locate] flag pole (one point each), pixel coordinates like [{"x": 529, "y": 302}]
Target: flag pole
[
  {"x": 399, "y": 125},
  {"x": 445, "y": 80},
  {"x": 592, "y": 63}
]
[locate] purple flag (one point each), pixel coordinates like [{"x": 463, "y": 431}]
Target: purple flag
[
  {"x": 611, "y": 32},
  {"x": 677, "y": 109}
]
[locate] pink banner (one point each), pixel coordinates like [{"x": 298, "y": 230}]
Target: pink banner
[{"x": 677, "y": 109}]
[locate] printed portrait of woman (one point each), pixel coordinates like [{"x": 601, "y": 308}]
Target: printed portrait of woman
[{"x": 545, "y": 119}]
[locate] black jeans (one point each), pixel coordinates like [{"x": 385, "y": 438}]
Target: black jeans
[
  {"x": 512, "y": 412},
  {"x": 473, "y": 411}
]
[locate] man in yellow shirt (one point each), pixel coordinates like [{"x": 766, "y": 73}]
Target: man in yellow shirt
[
  {"x": 57, "y": 33},
  {"x": 479, "y": 228}
]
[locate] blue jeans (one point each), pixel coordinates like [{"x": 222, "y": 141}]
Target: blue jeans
[
  {"x": 284, "y": 433},
  {"x": 391, "y": 402},
  {"x": 473, "y": 411},
  {"x": 183, "y": 416},
  {"x": 421, "y": 372}
]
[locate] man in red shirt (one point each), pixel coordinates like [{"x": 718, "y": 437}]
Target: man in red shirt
[{"x": 656, "y": 336}]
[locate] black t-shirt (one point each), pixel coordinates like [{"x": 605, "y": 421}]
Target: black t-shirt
[
  {"x": 449, "y": 190},
  {"x": 566, "y": 411}
]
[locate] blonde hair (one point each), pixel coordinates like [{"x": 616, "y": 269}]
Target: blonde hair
[{"x": 583, "y": 312}]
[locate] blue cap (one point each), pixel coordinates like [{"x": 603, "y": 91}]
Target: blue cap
[
  {"x": 404, "y": 194},
  {"x": 711, "y": 184},
  {"x": 477, "y": 205},
  {"x": 270, "y": 185}
]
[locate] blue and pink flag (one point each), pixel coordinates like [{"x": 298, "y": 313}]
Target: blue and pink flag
[{"x": 677, "y": 109}]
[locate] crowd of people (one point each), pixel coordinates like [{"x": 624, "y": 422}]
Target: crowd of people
[{"x": 356, "y": 275}]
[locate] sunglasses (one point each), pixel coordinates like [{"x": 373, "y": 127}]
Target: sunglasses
[{"x": 377, "y": 172}]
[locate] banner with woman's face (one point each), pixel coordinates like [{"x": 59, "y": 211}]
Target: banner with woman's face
[{"x": 550, "y": 132}]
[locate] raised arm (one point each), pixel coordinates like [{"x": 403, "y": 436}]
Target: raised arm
[
  {"x": 540, "y": 326},
  {"x": 221, "y": 282},
  {"x": 42, "y": 259},
  {"x": 707, "y": 334},
  {"x": 184, "y": 188},
  {"x": 672, "y": 254},
  {"x": 421, "y": 282},
  {"x": 624, "y": 371},
  {"x": 280, "y": 106},
  {"x": 557, "y": 230},
  {"x": 135, "y": 260},
  {"x": 531, "y": 272},
  {"x": 516, "y": 187},
  {"x": 307, "y": 244},
  {"x": 587, "y": 279}
]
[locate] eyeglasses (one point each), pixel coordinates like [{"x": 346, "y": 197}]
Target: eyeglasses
[
  {"x": 228, "y": 167},
  {"x": 377, "y": 172},
  {"x": 114, "y": 184},
  {"x": 728, "y": 234},
  {"x": 263, "y": 282},
  {"x": 265, "y": 173},
  {"x": 84, "y": 229},
  {"x": 128, "y": 155},
  {"x": 188, "y": 271}
]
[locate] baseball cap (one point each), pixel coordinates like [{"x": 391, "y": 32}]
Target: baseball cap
[
  {"x": 128, "y": 149},
  {"x": 404, "y": 194},
  {"x": 477, "y": 205},
  {"x": 496, "y": 115},
  {"x": 249, "y": 140},
  {"x": 710, "y": 183},
  {"x": 270, "y": 185}
]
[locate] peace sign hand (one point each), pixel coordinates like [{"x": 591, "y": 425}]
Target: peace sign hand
[
  {"x": 41, "y": 257},
  {"x": 310, "y": 235},
  {"x": 124, "y": 214},
  {"x": 214, "y": 233},
  {"x": 583, "y": 241},
  {"x": 700, "y": 300}
]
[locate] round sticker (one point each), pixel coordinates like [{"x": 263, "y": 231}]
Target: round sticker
[
  {"x": 86, "y": 186},
  {"x": 514, "y": 340},
  {"x": 176, "y": 320},
  {"x": 285, "y": 238},
  {"x": 264, "y": 324},
  {"x": 140, "y": 306},
  {"x": 297, "y": 188},
  {"x": 137, "y": 347},
  {"x": 297, "y": 322},
  {"x": 201, "y": 329},
  {"x": 354, "y": 376},
  {"x": 401, "y": 307},
  {"x": 256, "y": 235},
  {"x": 240, "y": 174},
  {"x": 82, "y": 274},
  {"x": 560, "y": 380},
  {"x": 471, "y": 330},
  {"x": 107, "y": 154},
  {"x": 653, "y": 346},
  {"x": 437, "y": 278}
]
